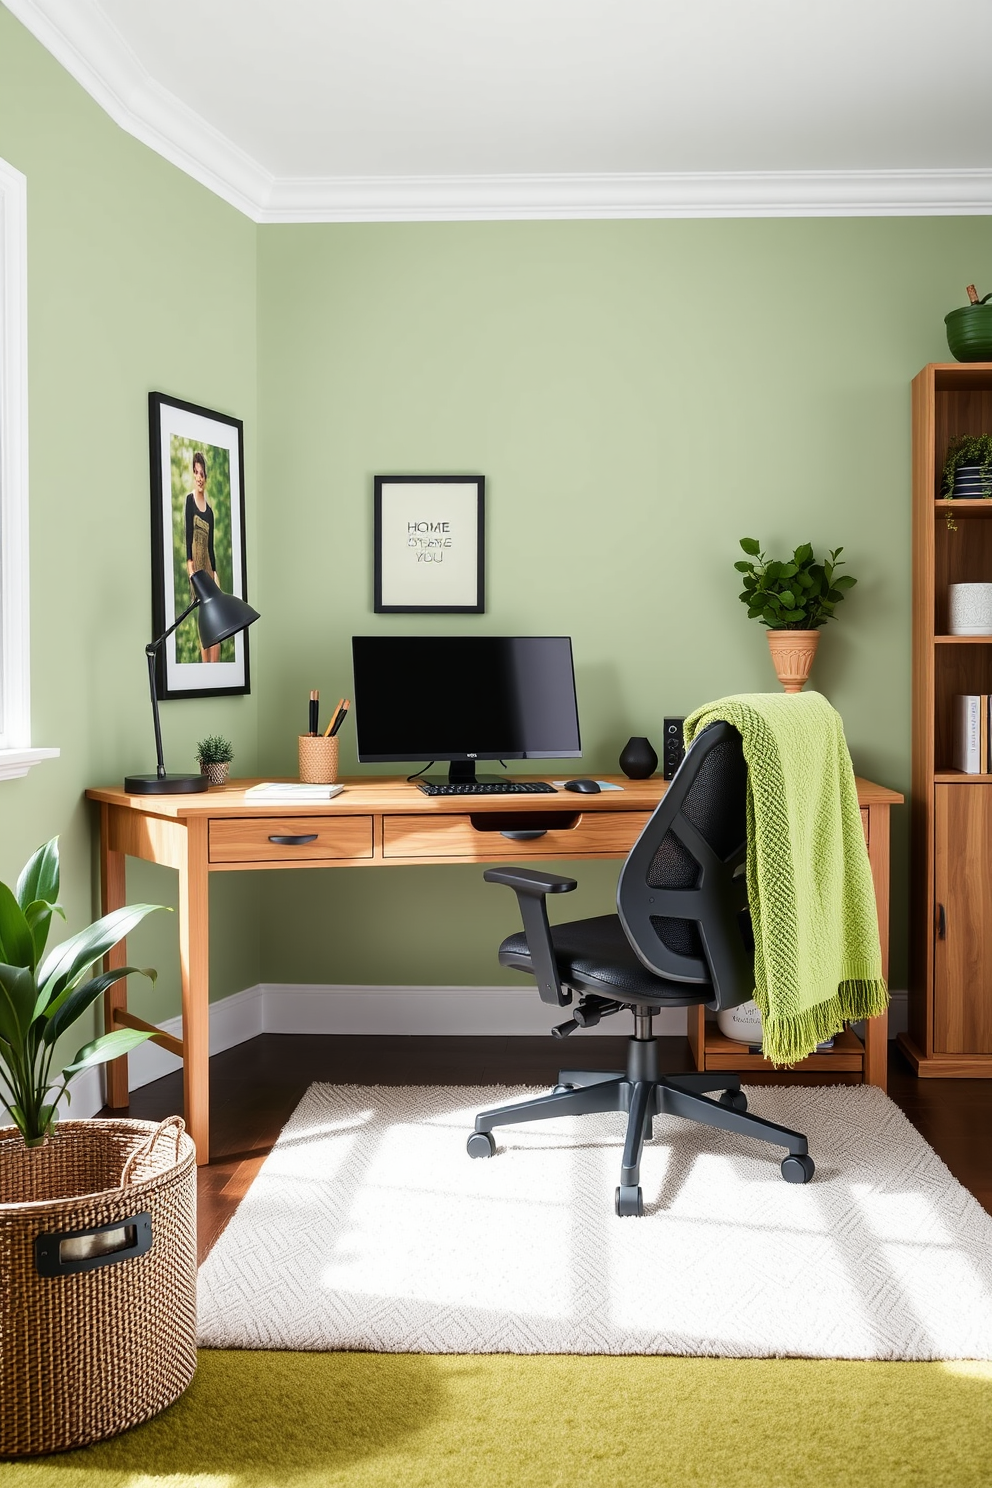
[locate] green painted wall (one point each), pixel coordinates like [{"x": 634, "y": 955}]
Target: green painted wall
[
  {"x": 639, "y": 395},
  {"x": 138, "y": 279}
]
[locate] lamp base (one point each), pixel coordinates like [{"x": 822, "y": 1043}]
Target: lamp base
[{"x": 164, "y": 785}]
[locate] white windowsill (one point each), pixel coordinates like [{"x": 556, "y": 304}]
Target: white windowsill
[{"x": 15, "y": 762}]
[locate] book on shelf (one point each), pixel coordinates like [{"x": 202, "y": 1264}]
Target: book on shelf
[
  {"x": 970, "y": 733},
  {"x": 291, "y": 790}
]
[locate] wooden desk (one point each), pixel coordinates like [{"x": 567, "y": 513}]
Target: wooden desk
[{"x": 384, "y": 821}]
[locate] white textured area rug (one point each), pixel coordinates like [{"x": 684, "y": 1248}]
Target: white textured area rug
[{"x": 369, "y": 1227}]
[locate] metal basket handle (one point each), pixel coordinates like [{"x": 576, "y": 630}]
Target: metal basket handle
[{"x": 149, "y": 1143}]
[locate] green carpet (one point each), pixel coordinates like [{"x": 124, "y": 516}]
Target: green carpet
[{"x": 264, "y": 1420}]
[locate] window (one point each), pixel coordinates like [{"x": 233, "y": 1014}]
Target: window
[{"x": 16, "y": 754}]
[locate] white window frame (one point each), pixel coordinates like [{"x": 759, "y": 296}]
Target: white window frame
[{"x": 16, "y": 754}]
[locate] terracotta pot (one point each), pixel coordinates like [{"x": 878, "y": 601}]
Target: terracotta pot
[{"x": 792, "y": 653}]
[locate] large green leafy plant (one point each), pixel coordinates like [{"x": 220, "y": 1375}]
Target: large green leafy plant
[
  {"x": 42, "y": 994},
  {"x": 797, "y": 593}
]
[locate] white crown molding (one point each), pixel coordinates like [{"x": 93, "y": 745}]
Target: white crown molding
[
  {"x": 895, "y": 193},
  {"x": 79, "y": 35}
]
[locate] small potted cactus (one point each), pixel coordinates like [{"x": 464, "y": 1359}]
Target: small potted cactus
[{"x": 215, "y": 755}]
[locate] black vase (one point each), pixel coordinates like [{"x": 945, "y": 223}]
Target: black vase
[{"x": 638, "y": 759}]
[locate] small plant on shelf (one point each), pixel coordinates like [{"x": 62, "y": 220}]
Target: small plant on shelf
[
  {"x": 967, "y": 450},
  {"x": 215, "y": 754},
  {"x": 797, "y": 593}
]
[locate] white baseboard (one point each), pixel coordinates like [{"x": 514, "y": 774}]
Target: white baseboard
[{"x": 282, "y": 1007}]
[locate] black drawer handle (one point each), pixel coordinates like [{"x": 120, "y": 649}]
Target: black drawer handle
[
  {"x": 526, "y": 836},
  {"x": 941, "y": 923},
  {"x": 295, "y": 841}
]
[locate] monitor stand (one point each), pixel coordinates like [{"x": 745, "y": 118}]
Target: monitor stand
[{"x": 462, "y": 772}]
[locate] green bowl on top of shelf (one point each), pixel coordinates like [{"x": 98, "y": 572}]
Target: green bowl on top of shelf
[{"x": 969, "y": 333}]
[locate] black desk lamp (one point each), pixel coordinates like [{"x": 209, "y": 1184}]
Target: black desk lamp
[{"x": 219, "y": 615}]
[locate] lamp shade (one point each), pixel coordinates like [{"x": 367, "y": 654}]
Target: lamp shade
[{"x": 218, "y": 615}]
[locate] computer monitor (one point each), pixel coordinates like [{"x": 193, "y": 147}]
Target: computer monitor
[{"x": 465, "y": 698}]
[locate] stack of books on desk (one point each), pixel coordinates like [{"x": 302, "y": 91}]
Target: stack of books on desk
[{"x": 297, "y": 792}]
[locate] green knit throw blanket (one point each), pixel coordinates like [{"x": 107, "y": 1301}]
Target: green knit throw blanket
[{"x": 817, "y": 961}]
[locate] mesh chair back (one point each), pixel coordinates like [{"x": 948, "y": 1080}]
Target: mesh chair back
[{"x": 682, "y": 894}]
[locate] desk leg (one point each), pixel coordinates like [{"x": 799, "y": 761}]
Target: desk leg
[
  {"x": 113, "y": 889},
  {"x": 877, "y": 1029},
  {"x": 194, "y": 963}
]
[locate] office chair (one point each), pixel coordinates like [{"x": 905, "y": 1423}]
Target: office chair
[{"x": 682, "y": 937}]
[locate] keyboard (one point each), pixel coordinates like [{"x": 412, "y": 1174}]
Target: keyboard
[{"x": 490, "y": 788}]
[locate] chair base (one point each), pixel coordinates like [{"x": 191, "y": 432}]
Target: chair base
[{"x": 644, "y": 1093}]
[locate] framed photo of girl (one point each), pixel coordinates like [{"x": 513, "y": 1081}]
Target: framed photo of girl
[{"x": 198, "y": 522}]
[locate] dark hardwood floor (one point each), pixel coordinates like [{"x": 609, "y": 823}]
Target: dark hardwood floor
[{"x": 255, "y": 1087}]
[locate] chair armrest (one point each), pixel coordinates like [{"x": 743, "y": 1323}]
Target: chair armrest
[
  {"x": 531, "y": 889},
  {"x": 529, "y": 881}
]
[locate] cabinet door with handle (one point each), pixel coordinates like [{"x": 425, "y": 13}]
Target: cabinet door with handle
[{"x": 962, "y": 924}]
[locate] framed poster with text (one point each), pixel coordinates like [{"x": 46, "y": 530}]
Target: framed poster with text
[{"x": 429, "y": 545}]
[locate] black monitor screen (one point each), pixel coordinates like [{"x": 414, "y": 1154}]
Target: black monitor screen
[{"x": 465, "y": 697}]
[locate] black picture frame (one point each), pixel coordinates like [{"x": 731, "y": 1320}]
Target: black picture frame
[
  {"x": 178, "y": 431},
  {"x": 421, "y": 523}
]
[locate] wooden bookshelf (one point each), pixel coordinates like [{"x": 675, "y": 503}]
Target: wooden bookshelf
[{"x": 950, "y": 1004}]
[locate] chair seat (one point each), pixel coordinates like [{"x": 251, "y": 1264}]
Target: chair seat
[{"x": 596, "y": 956}]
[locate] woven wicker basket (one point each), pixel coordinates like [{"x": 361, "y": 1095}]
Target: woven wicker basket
[{"x": 97, "y": 1325}]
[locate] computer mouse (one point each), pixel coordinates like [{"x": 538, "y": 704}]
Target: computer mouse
[{"x": 587, "y": 787}]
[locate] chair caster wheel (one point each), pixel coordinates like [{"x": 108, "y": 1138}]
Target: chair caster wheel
[
  {"x": 734, "y": 1100},
  {"x": 798, "y": 1169},
  {"x": 629, "y": 1201},
  {"x": 481, "y": 1144},
  {"x": 561, "y": 1089}
]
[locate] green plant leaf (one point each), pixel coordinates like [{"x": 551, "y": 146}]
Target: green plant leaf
[
  {"x": 803, "y": 553},
  {"x": 16, "y": 940},
  {"x": 39, "y": 877},
  {"x": 84, "y": 996},
  {"x": 66, "y": 961},
  {"x": 743, "y": 567},
  {"x": 751, "y": 545},
  {"x": 107, "y": 1046},
  {"x": 39, "y": 917},
  {"x": 17, "y": 1003},
  {"x": 845, "y": 582}
]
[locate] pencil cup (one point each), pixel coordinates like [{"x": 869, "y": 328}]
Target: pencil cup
[{"x": 318, "y": 759}]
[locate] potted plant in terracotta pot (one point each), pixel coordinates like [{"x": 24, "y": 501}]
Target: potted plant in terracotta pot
[
  {"x": 793, "y": 597},
  {"x": 97, "y": 1217}
]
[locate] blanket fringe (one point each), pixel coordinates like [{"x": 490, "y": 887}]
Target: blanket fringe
[{"x": 787, "y": 1040}]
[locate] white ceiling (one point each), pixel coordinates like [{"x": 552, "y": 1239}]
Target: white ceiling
[{"x": 344, "y": 109}]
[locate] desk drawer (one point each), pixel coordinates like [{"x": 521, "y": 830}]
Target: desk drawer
[
  {"x": 478, "y": 836},
  {"x": 248, "y": 839}
]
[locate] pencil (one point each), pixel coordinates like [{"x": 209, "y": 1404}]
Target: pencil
[
  {"x": 334, "y": 715},
  {"x": 342, "y": 715}
]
